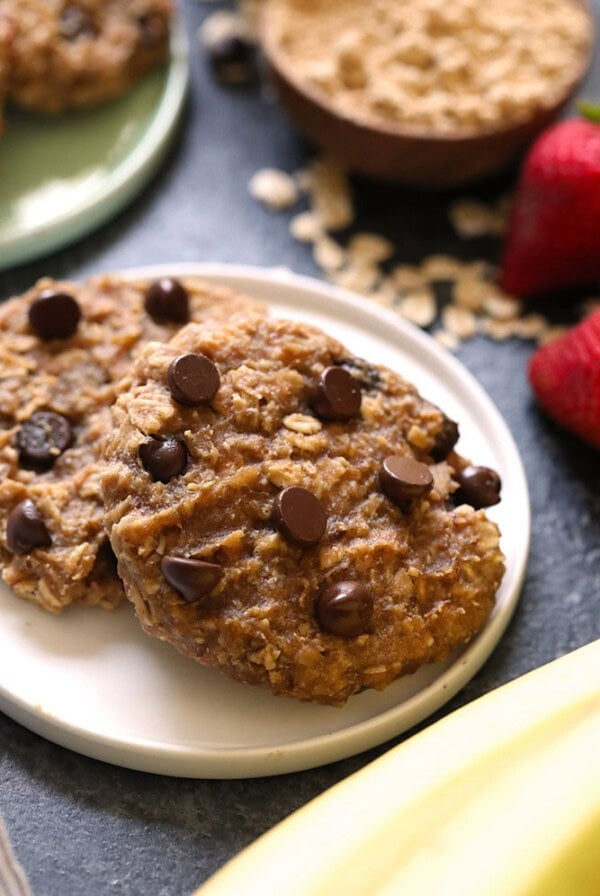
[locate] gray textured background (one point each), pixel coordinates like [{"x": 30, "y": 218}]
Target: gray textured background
[{"x": 81, "y": 827}]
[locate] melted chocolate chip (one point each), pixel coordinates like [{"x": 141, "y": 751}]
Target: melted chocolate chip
[
  {"x": 167, "y": 300},
  {"x": 193, "y": 379},
  {"x": 445, "y": 440},
  {"x": 299, "y": 516},
  {"x": 367, "y": 374},
  {"x": 25, "y": 529},
  {"x": 405, "y": 481},
  {"x": 477, "y": 486},
  {"x": 42, "y": 439},
  {"x": 54, "y": 315},
  {"x": 231, "y": 59},
  {"x": 344, "y": 609},
  {"x": 164, "y": 458},
  {"x": 76, "y": 22},
  {"x": 191, "y": 579},
  {"x": 153, "y": 29},
  {"x": 338, "y": 395}
]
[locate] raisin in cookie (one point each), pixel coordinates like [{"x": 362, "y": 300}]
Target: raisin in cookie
[
  {"x": 283, "y": 511},
  {"x": 64, "y": 348},
  {"x": 70, "y": 54}
]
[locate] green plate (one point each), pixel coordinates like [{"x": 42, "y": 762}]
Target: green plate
[{"x": 63, "y": 177}]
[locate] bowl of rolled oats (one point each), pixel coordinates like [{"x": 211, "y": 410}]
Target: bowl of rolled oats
[{"x": 425, "y": 92}]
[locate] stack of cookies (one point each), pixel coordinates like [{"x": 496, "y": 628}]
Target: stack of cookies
[
  {"x": 271, "y": 504},
  {"x": 71, "y": 54}
]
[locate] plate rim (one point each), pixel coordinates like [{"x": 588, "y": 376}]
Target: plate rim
[
  {"x": 124, "y": 182},
  {"x": 253, "y": 762}
]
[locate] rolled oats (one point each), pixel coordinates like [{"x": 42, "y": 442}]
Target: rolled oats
[{"x": 274, "y": 188}]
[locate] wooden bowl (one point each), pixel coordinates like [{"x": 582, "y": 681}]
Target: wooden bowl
[{"x": 408, "y": 156}]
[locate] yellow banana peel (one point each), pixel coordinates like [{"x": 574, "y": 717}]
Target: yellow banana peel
[{"x": 500, "y": 798}]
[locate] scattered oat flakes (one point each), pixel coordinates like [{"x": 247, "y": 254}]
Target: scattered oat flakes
[
  {"x": 407, "y": 277},
  {"x": 448, "y": 340},
  {"x": 498, "y": 330},
  {"x": 550, "y": 333},
  {"x": 471, "y": 293},
  {"x": 357, "y": 278},
  {"x": 471, "y": 218},
  {"x": 459, "y": 321},
  {"x": 274, "y": 188},
  {"x": 419, "y": 307},
  {"x": 370, "y": 248},
  {"x": 501, "y": 307},
  {"x": 442, "y": 267},
  {"x": 530, "y": 326},
  {"x": 306, "y": 227},
  {"x": 221, "y": 25},
  {"x": 385, "y": 293},
  {"x": 328, "y": 253},
  {"x": 330, "y": 194}
]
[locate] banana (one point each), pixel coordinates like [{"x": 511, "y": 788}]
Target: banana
[{"x": 500, "y": 798}]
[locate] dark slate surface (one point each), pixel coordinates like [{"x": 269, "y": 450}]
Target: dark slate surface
[{"x": 82, "y": 827}]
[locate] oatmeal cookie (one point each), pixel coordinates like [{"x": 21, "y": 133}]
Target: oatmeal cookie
[
  {"x": 64, "y": 347},
  {"x": 283, "y": 511},
  {"x": 70, "y": 54}
]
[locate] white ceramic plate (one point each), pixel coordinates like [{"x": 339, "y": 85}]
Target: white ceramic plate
[
  {"x": 94, "y": 682},
  {"x": 62, "y": 177}
]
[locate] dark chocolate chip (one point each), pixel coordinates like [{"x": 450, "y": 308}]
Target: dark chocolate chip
[
  {"x": 344, "y": 609},
  {"x": 338, "y": 395},
  {"x": 191, "y": 579},
  {"x": 299, "y": 516},
  {"x": 477, "y": 486},
  {"x": 105, "y": 564},
  {"x": 405, "y": 481},
  {"x": 153, "y": 29},
  {"x": 367, "y": 374},
  {"x": 445, "y": 440},
  {"x": 76, "y": 22},
  {"x": 42, "y": 438},
  {"x": 164, "y": 458},
  {"x": 54, "y": 315},
  {"x": 232, "y": 59},
  {"x": 25, "y": 529},
  {"x": 193, "y": 379},
  {"x": 167, "y": 300}
]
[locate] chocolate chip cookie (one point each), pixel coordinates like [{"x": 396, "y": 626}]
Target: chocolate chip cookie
[
  {"x": 69, "y": 54},
  {"x": 284, "y": 511},
  {"x": 64, "y": 348}
]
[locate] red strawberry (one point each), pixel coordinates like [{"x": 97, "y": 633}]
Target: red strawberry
[
  {"x": 553, "y": 237},
  {"x": 565, "y": 376}
]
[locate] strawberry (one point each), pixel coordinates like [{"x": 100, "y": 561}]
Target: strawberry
[
  {"x": 565, "y": 376},
  {"x": 553, "y": 238}
]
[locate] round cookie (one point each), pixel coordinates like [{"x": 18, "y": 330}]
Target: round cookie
[
  {"x": 307, "y": 540},
  {"x": 64, "y": 348},
  {"x": 70, "y": 54}
]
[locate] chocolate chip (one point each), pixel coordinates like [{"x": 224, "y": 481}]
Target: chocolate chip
[
  {"x": 54, "y": 315},
  {"x": 338, "y": 395},
  {"x": 367, "y": 374},
  {"x": 344, "y": 609},
  {"x": 405, "y": 481},
  {"x": 163, "y": 458},
  {"x": 477, "y": 486},
  {"x": 153, "y": 29},
  {"x": 231, "y": 59},
  {"x": 299, "y": 516},
  {"x": 193, "y": 379},
  {"x": 445, "y": 440},
  {"x": 191, "y": 579},
  {"x": 42, "y": 438},
  {"x": 167, "y": 300},
  {"x": 25, "y": 529},
  {"x": 76, "y": 22}
]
